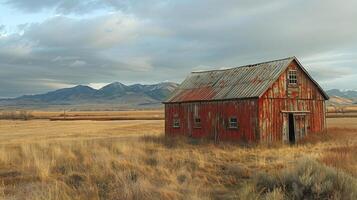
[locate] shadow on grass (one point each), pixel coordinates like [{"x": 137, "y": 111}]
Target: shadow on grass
[{"x": 182, "y": 142}]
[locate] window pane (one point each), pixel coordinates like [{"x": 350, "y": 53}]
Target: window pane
[
  {"x": 233, "y": 122},
  {"x": 176, "y": 123},
  {"x": 197, "y": 122},
  {"x": 292, "y": 76}
]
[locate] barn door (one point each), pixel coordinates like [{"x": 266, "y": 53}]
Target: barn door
[
  {"x": 292, "y": 128},
  {"x": 300, "y": 126}
]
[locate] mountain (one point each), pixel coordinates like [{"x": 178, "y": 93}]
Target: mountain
[
  {"x": 66, "y": 94},
  {"x": 339, "y": 97},
  {"x": 336, "y": 100},
  {"x": 343, "y": 93},
  {"x": 158, "y": 91},
  {"x": 112, "y": 90},
  {"x": 113, "y": 95},
  {"x": 120, "y": 96}
]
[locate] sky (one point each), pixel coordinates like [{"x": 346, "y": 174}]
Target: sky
[{"x": 51, "y": 44}]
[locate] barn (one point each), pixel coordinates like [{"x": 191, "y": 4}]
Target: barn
[{"x": 265, "y": 102}]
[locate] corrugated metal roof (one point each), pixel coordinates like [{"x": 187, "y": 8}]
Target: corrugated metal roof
[{"x": 249, "y": 81}]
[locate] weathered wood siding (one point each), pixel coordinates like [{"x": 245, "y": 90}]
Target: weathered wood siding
[
  {"x": 282, "y": 97},
  {"x": 214, "y": 119}
]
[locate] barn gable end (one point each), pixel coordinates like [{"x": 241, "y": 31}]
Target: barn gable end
[{"x": 306, "y": 88}]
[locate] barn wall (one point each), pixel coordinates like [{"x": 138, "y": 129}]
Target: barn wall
[
  {"x": 272, "y": 119},
  {"x": 305, "y": 96},
  {"x": 214, "y": 119}
]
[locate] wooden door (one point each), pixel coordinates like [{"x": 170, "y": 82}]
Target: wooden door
[{"x": 300, "y": 126}]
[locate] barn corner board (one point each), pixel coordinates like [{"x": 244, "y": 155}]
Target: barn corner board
[{"x": 265, "y": 102}]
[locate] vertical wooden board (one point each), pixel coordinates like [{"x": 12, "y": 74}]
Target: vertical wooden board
[
  {"x": 188, "y": 119},
  {"x": 260, "y": 118},
  {"x": 285, "y": 128},
  {"x": 275, "y": 121},
  {"x": 264, "y": 120}
]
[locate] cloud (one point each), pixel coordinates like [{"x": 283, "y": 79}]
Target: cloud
[
  {"x": 100, "y": 32},
  {"x": 97, "y": 85},
  {"x": 78, "y": 63},
  {"x": 2, "y": 29},
  {"x": 156, "y": 40},
  {"x": 60, "y": 6},
  {"x": 327, "y": 74},
  {"x": 54, "y": 84}
]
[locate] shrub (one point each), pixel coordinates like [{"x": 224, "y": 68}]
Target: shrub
[{"x": 307, "y": 180}]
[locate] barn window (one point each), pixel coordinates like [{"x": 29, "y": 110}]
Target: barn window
[
  {"x": 176, "y": 123},
  {"x": 197, "y": 122},
  {"x": 292, "y": 77},
  {"x": 233, "y": 122}
]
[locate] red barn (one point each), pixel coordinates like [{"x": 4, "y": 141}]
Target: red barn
[{"x": 270, "y": 101}]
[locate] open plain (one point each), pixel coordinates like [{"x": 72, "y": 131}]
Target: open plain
[{"x": 131, "y": 159}]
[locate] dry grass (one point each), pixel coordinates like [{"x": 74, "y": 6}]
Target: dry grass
[
  {"x": 348, "y": 111},
  {"x": 83, "y": 115},
  {"x": 18, "y": 132},
  {"x": 346, "y": 123},
  {"x": 99, "y": 114},
  {"x": 308, "y": 179},
  {"x": 132, "y": 160}
]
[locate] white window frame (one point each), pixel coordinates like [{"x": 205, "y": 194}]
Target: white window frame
[{"x": 292, "y": 77}]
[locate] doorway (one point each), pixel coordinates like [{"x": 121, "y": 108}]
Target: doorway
[{"x": 291, "y": 128}]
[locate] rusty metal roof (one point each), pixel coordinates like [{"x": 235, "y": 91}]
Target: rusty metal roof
[{"x": 250, "y": 81}]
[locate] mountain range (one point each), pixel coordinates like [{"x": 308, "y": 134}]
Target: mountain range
[
  {"x": 342, "y": 97},
  {"x": 113, "y": 96},
  {"x": 120, "y": 96}
]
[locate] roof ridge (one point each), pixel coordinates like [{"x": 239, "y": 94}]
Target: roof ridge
[{"x": 249, "y": 65}]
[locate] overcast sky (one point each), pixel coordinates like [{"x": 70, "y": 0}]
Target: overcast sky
[{"x": 51, "y": 44}]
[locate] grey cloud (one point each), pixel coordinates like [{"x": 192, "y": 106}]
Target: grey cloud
[
  {"x": 101, "y": 32},
  {"x": 60, "y": 6},
  {"x": 148, "y": 41},
  {"x": 326, "y": 73},
  {"x": 2, "y": 29}
]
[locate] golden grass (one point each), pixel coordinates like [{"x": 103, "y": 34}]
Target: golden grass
[
  {"x": 132, "y": 160},
  {"x": 348, "y": 111},
  {"x": 98, "y": 114},
  {"x": 347, "y": 123},
  {"x": 15, "y": 132},
  {"x": 83, "y": 115},
  {"x": 347, "y": 108}
]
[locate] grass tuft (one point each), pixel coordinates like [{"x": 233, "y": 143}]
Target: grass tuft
[{"x": 307, "y": 180}]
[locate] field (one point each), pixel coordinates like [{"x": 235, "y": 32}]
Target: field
[
  {"x": 342, "y": 111},
  {"x": 131, "y": 159},
  {"x": 84, "y": 115}
]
